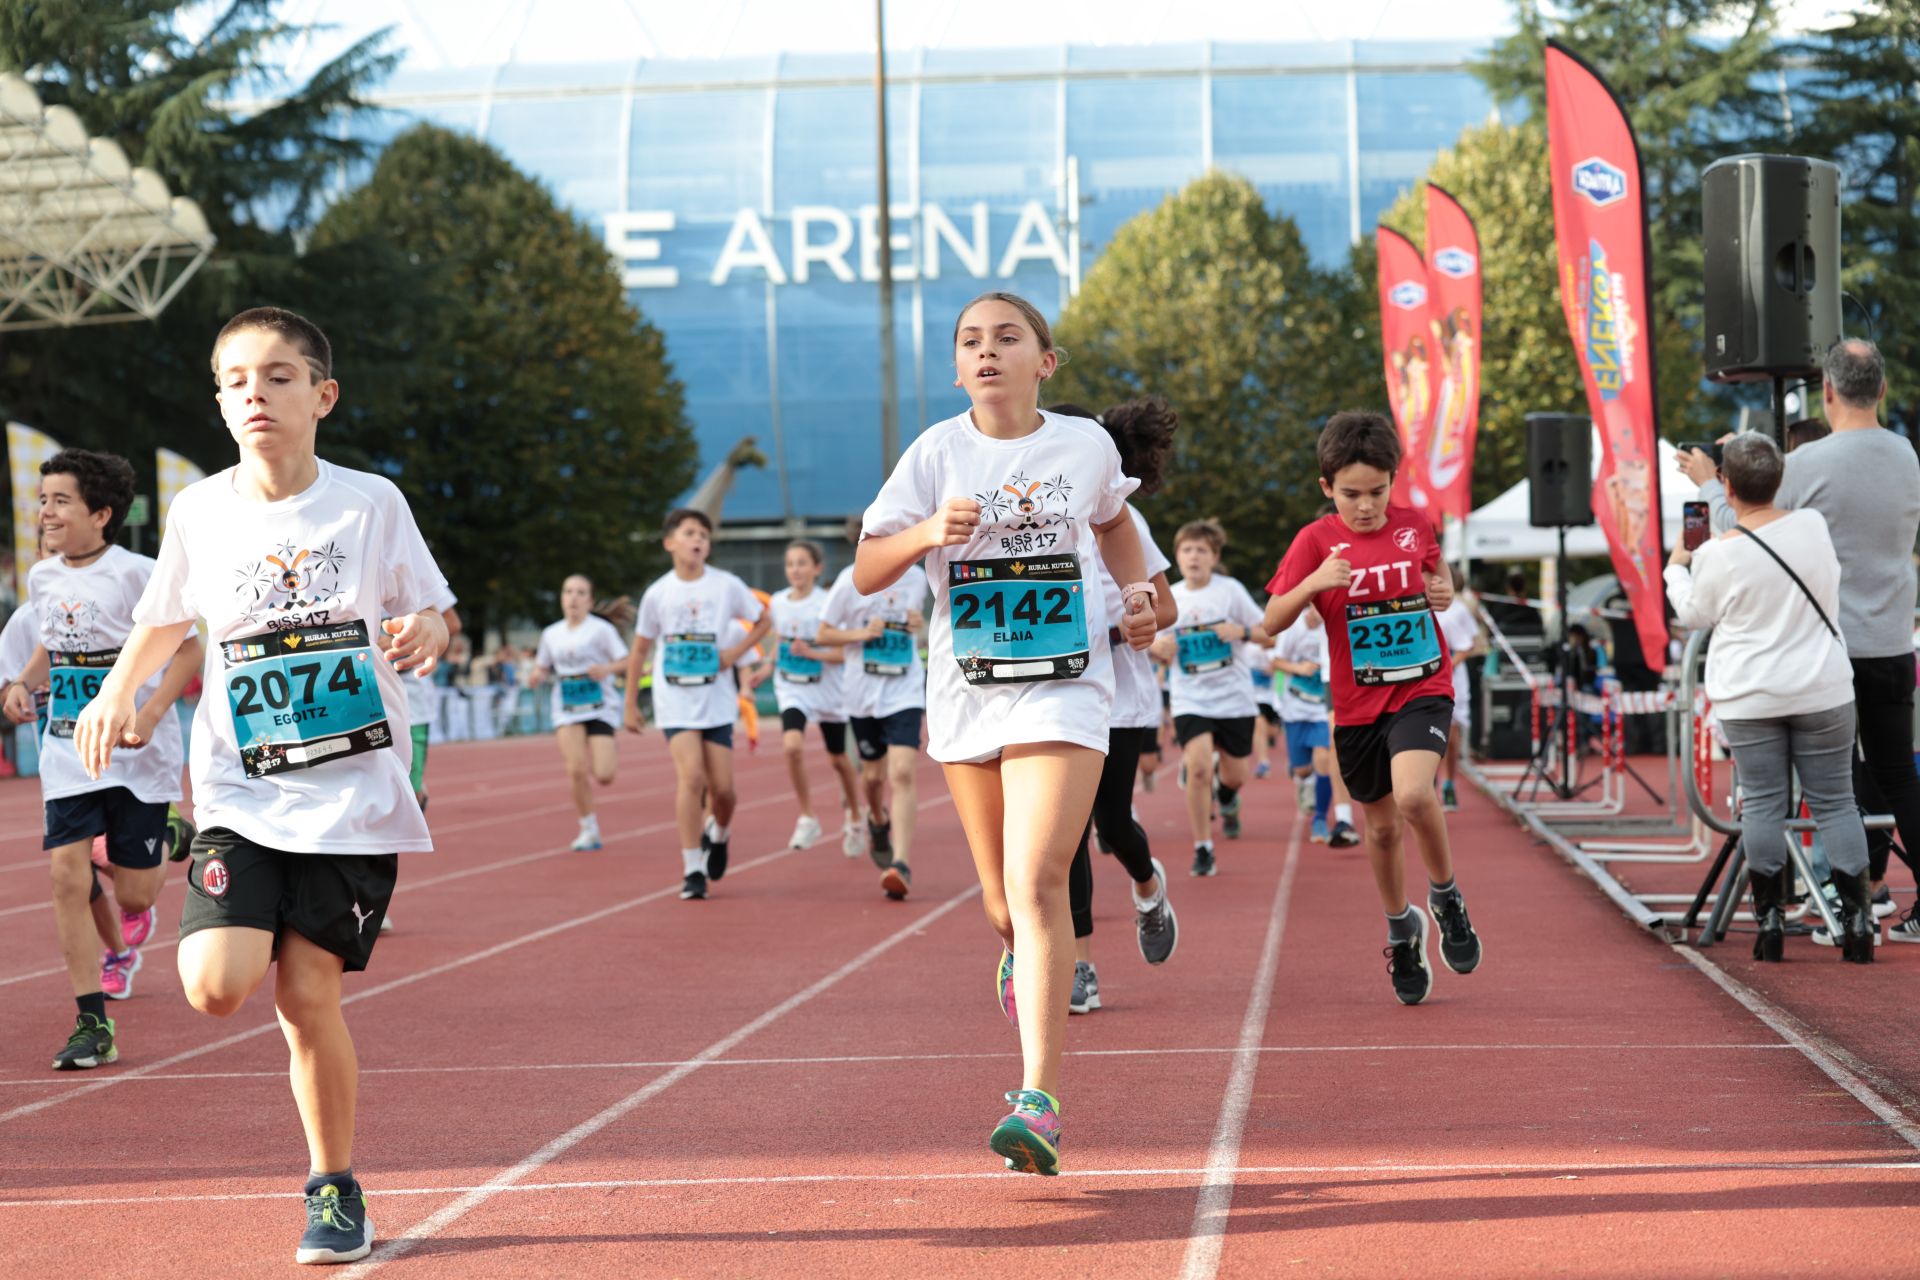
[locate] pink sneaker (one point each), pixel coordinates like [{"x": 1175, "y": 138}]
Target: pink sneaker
[
  {"x": 1029, "y": 1139},
  {"x": 1003, "y": 986},
  {"x": 116, "y": 973},
  {"x": 138, "y": 928}
]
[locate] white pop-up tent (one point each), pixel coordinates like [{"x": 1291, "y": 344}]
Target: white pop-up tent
[{"x": 1499, "y": 530}]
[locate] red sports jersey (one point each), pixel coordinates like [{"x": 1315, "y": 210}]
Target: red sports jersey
[{"x": 1383, "y": 641}]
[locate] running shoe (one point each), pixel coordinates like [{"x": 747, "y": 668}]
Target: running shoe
[
  {"x": 853, "y": 837},
  {"x": 1449, "y": 798},
  {"x": 896, "y": 880},
  {"x": 1230, "y": 822},
  {"x": 1407, "y": 963},
  {"x": 1343, "y": 836},
  {"x": 179, "y": 837},
  {"x": 90, "y": 1045},
  {"x": 1907, "y": 929},
  {"x": 338, "y": 1228},
  {"x": 1086, "y": 989},
  {"x": 694, "y": 886},
  {"x": 805, "y": 832},
  {"x": 386, "y": 922},
  {"x": 137, "y": 927},
  {"x": 880, "y": 844},
  {"x": 1003, "y": 987},
  {"x": 1029, "y": 1139},
  {"x": 1883, "y": 903},
  {"x": 1158, "y": 932},
  {"x": 1262, "y": 769},
  {"x": 1459, "y": 944},
  {"x": 1303, "y": 794},
  {"x": 716, "y": 851},
  {"x": 1319, "y": 832},
  {"x": 116, "y": 973},
  {"x": 587, "y": 841},
  {"x": 1203, "y": 864}
]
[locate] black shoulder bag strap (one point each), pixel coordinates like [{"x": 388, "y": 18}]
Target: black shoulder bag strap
[{"x": 1791, "y": 574}]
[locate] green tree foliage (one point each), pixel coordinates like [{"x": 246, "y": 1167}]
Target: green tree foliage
[
  {"x": 538, "y": 425},
  {"x": 1699, "y": 79},
  {"x": 1210, "y": 300},
  {"x": 1866, "y": 117}
]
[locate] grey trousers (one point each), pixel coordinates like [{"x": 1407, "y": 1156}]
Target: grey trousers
[{"x": 1818, "y": 747}]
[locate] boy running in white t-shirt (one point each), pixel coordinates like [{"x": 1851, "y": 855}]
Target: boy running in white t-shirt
[
  {"x": 83, "y": 596},
  {"x": 300, "y": 771},
  {"x": 1465, "y": 643},
  {"x": 1213, "y": 704},
  {"x": 1300, "y": 657},
  {"x": 680, "y": 635}
]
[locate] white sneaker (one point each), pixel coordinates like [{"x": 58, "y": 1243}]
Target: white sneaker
[
  {"x": 588, "y": 839},
  {"x": 805, "y": 832},
  {"x": 386, "y": 923},
  {"x": 853, "y": 840}
]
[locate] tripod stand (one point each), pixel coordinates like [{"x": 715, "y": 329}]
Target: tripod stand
[{"x": 1559, "y": 730}]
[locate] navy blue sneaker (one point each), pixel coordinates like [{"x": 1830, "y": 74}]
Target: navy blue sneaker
[{"x": 338, "y": 1228}]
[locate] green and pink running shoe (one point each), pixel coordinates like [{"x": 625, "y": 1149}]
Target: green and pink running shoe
[
  {"x": 1029, "y": 1139},
  {"x": 1003, "y": 988}
]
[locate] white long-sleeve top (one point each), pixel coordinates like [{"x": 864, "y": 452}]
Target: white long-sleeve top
[{"x": 1771, "y": 655}]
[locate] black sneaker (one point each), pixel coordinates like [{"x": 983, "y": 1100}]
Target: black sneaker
[
  {"x": 90, "y": 1045},
  {"x": 896, "y": 880},
  {"x": 880, "y": 844},
  {"x": 338, "y": 1228},
  {"x": 1407, "y": 963},
  {"x": 1159, "y": 932},
  {"x": 1343, "y": 836},
  {"x": 1203, "y": 864},
  {"x": 1907, "y": 928},
  {"x": 694, "y": 886},
  {"x": 716, "y": 851},
  {"x": 1459, "y": 944},
  {"x": 1230, "y": 819}
]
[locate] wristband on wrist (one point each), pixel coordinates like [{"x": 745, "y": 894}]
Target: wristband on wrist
[{"x": 1146, "y": 589}]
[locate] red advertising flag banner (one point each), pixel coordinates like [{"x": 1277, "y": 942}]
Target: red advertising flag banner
[
  {"x": 1453, "y": 308},
  {"x": 1405, "y": 337},
  {"x": 1599, "y": 223}
]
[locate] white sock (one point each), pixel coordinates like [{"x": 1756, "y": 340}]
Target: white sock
[
  {"x": 717, "y": 833},
  {"x": 693, "y": 860},
  {"x": 1147, "y": 904},
  {"x": 1343, "y": 813},
  {"x": 1204, "y": 844},
  {"x": 590, "y": 824}
]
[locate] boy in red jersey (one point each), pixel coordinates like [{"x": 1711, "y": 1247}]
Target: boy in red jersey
[{"x": 1372, "y": 571}]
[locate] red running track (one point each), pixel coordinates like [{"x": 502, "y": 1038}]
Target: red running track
[{"x": 569, "y": 1072}]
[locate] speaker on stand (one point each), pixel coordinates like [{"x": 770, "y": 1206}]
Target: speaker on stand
[{"x": 1560, "y": 496}]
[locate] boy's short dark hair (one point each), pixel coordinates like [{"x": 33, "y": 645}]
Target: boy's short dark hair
[
  {"x": 104, "y": 480},
  {"x": 297, "y": 329},
  {"x": 1358, "y": 435},
  {"x": 1207, "y": 531},
  {"x": 680, "y": 515}
]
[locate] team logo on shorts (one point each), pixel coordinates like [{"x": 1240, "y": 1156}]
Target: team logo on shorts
[
  {"x": 215, "y": 879},
  {"x": 1406, "y": 539}
]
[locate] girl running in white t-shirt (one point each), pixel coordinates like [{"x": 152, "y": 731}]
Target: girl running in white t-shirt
[
  {"x": 580, "y": 654},
  {"x": 806, "y": 685},
  {"x": 1008, "y": 507}
]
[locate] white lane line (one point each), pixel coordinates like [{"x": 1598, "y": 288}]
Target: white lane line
[
  {"x": 1215, "y": 1201},
  {"x": 1789, "y": 1028},
  {"x": 1008, "y": 1055},
  {"x": 399, "y": 1246},
  {"x": 1305, "y": 1170}
]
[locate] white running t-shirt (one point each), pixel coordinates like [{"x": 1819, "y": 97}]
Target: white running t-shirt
[
  {"x": 1210, "y": 677},
  {"x": 1136, "y": 695},
  {"x": 686, "y": 620},
  {"x": 1017, "y": 645},
  {"x": 86, "y": 614},
  {"x": 1461, "y": 630},
  {"x": 883, "y": 676},
  {"x": 1303, "y": 697},
  {"x": 299, "y": 743},
  {"x": 809, "y": 685},
  {"x": 17, "y": 640},
  {"x": 566, "y": 652}
]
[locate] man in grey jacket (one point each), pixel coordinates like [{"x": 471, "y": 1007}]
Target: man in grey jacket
[{"x": 1866, "y": 481}]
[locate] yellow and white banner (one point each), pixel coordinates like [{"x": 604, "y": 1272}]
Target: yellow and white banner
[
  {"x": 176, "y": 473},
  {"x": 26, "y": 450}
]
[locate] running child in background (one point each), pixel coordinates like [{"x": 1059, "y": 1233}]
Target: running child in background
[
  {"x": 885, "y": 690},
  {"x": 1466, "y": 643},
  {"x": 807, "y": 685},
  {"x": 1213, "y": 706},
  {"x": 1008, "y": 506},
  {"x": 83, "y": 596},
  {"x": 1266, "y": 734},
  {"x": 423, "y": 708},
  {"x": 1142, "y": 432},
  {"x": 1300, "y": 656},
  {"x": 581, "y": 654},
  {"x": 680, "y": 636},
  {"x": 1372, "y": 571},
  {"x": 300, "y": 783}
]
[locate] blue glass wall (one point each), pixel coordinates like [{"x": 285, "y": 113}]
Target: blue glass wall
[{"x": 739, "y": 197}]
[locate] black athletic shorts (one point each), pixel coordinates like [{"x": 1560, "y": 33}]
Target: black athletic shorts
[
  {"x": 832, "y": 732},
  {"x": 135, "y": 829},
  {"x": 333, "y": 900},
  {"x": 1149, "y": 740},
  {"x": 1366, "y": 751},
  {"x": 1231, "y": 737},
  {"x": 598, "y": 728},
  {"x": 1270, "y": 713},
  {"x": 874, "y": 734}
]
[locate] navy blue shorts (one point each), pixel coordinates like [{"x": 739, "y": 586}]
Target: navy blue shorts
[
  {"x": 721, "y": 735},
  {"x": 874, "y": 734},
  {"x": 135, "y": 829}
]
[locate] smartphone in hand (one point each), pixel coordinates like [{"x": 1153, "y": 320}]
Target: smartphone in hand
[{"x": 1694, "y": 526}]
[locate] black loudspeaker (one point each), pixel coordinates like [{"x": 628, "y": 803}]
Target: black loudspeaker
[
  {"x": 1772, "y": 268},
  {"x": 1559, "y": 469}
]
